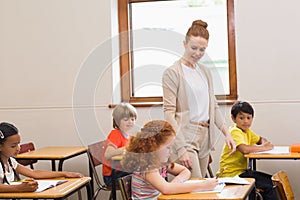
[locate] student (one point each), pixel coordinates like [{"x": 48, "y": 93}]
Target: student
[
  {"x": 10, "y": 168},
  {"x": 147, "y": 156},
  {"x": 124, "y": 117},
  {"x": 246, "y": 141}
]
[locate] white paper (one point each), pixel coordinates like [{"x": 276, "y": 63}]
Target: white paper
[
  {"x": 44, "y": 184},
  {"x": 276, "y": 150},
  {"x": 234, "y": 180},
  {"x": 218, "y": 188}
]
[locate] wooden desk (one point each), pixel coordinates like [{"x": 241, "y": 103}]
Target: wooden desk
[
  {"x": 230, "y": 192},
  {"x": 59, "y": 192},
  {"x": 253, "y": 157},
  {"x": 54, "y": 153}
]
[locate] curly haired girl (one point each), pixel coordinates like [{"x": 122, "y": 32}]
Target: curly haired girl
[{"x": 147, "y": 157}]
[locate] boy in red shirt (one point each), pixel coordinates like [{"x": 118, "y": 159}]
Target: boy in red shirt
[{"x": 124, "y": 117}]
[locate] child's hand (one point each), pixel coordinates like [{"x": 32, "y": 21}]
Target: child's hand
[
  {"x": 268, "y": 145},
  {"x": 210, "y": 183},
  {"x": 29, "y": 186},
  {"x": 73, "y": 175}
]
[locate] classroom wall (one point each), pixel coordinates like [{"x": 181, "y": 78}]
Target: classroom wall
[
  {"x": 50, "y": 95},
  {"x": 43, "y": 45},
  {"x": 267, "y": 66}
]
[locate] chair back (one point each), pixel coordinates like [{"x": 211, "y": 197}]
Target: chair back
[
  {"x": 95, "y": 152},
  {"x": 283, "y": 188},
  {"x": 26, "y": 147},
  {"x": 125, "y": 187}
]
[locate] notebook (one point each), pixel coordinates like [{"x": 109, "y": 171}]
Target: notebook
[
  {"x": 44, "y": 184},
  {"x": 276, "y": 150},
  {"x": 233, "y": 180},
  {"x": 218, "y": 188}
]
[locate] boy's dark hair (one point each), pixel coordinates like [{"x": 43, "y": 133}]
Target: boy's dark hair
[
  {"x": 6, "y": 130},
  {"x": 241, "y": 106}
]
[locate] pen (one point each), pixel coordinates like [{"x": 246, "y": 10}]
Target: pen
[{"x": 220, "y": 173}]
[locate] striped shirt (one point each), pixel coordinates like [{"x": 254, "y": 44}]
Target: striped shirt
[{"x": 141, "y": 189}]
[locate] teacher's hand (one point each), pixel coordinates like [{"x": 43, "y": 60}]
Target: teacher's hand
[
  {"x": 229, "y": 141},
  {"x": 231, "y": 144},
  {"x": 185, "y": 160}
]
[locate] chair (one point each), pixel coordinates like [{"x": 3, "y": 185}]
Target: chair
[
  {"x": 95, "y": 152},
  {"x": 26, "y": 147},
  {"x": 282, "y": 185},
  {"x": 125, "y": 187}
]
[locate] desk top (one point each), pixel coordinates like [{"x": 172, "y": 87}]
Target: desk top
[
  {"x": 274, "y": 156},
  {"x": 59, "y": 191},
  {"x": 53, "y": 152},
  {"x": 230, "y": 192}
]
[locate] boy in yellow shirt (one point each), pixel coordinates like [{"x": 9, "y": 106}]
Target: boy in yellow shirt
[{"x": 246, "y": 142}]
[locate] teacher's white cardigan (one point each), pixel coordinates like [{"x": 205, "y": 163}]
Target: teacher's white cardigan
[{"x": 176, "y": 108}]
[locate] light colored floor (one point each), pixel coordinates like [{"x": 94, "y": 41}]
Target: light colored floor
[{"x": 104, "y": 195}]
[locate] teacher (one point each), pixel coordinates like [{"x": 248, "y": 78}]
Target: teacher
[{"x": 190, "y": 104}]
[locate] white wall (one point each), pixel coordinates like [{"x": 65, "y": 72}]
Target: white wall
[
  {"x": 267, "y": 67},
  {"x": 43, "y": 45},
  {"x": 47, "y": 92}
]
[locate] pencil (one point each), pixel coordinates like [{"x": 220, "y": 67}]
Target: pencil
[
  {"x": 221, "y": 173},
  {"x": 25, "y": 180}
]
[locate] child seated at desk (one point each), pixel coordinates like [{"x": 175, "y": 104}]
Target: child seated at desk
[
  {"x": 10, "y": 168},
  {"x": 124, "y": 117},
  {"x": 147, "y": 157},
  {"x": 246, "y": 142}
]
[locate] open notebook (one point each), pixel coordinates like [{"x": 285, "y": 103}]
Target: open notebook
[
  {"x": 44, "y": 184},
  {"x": 222, "y": 182},
  {"x": 218, "y": 188},
  {"x": 276, "y": 150},
  {"x": 233, "y": 180}
]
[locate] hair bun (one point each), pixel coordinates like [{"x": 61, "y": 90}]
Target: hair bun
[{"x": 199, "y": 22}]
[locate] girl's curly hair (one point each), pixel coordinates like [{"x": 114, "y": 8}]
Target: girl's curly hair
[{"x": 141, "y": 150}]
